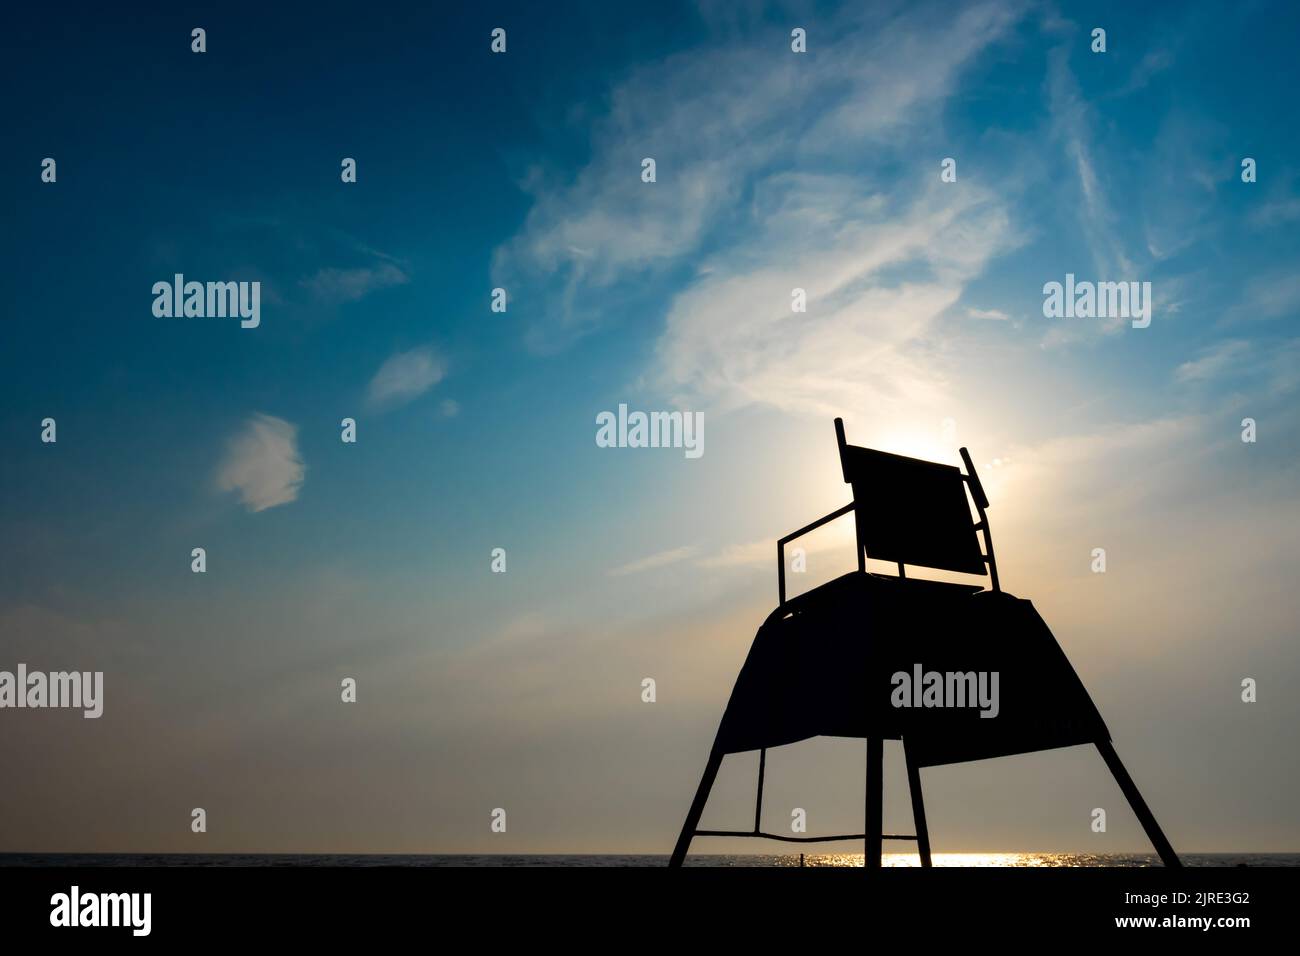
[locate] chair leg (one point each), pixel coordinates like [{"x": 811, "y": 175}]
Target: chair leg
[
  {"x": 875, "y": 816},
  {"x": 697, "y": 807},
  {"x": 1144, "y": 814},
  {"x": 918, "y": 807}
]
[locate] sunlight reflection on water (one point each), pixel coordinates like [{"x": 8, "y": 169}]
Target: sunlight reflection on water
[
  {"x": 1008, "y": 860},
  {"x": 1032, "y": 859},
  {"x": 972, "y": 859}
]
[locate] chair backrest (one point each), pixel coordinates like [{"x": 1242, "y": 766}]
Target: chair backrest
[{"x": 915, "y": 512}]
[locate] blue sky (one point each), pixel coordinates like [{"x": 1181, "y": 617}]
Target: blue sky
[{"x": 522, "y": 171}]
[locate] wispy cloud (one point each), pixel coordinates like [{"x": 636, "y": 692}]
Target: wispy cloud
[
  {"x": 262, "y": 463},
  {"x": 1153, "y": 63},
  {"x": 1276, "y": 213},
  {"x": 1191, "y": 159},
  {"x": 337, "y": 286},
  {"x": 659, "y": 560},
  {"x": 1281, "y": 370},
  {"x": 1268, "y": 369},
  {"x": 721, "y": 122},
  {"x": 1270, "y": 297},
  {"x": 1213, "y": 361},
  {"x": 404, "y": 377},
  {"x": 731, "y": 339},
  {"x": 837, "y": 536},
  {"x": 1073, "y": 126}
]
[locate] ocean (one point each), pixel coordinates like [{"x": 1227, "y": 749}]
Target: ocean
[{"x": 634, "y": 860}]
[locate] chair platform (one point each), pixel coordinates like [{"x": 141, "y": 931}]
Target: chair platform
[{"x": 825, "y": 664}]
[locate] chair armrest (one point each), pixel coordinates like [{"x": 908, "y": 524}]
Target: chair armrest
[{"x": 780, "y": 544}]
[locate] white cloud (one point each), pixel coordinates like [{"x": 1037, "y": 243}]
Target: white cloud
[
  {"x": 1276, "y": 213},
  {"x": 659, "y": 560},
  {"x": 1179, "y": 202},
  {"x": 262, "y": 463},
  {"x": 835, "y": 537},
  {"x": 866, "y": 340},
  {"x": 1102, "y": 478},
  {"x": 337, "y": 286},
  {"x": 1155, "y": 62},
  {"x": 405, "y": 376},
  {"x": 1270, "y": 297},
  {"x": 721, "y": 122},
  {"x": 1073, "y": 126},
  {"x": 1213, "y": 361},
  {"x": 1270, "y": 369},
  {"x": 1281, "y": 370},
  {"x": 749, "y": 554},
  {"x": 994, "y": 314}
]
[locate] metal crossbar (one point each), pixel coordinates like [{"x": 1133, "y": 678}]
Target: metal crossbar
[
  {"x": 758, "y": 821},
  {"x": 794, "y": 839}
]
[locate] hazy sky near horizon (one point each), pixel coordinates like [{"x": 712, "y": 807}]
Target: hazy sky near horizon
[{"x": 475, "y": 429}]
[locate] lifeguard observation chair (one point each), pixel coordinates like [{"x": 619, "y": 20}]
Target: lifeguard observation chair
[{"x": 824, "y": 663}]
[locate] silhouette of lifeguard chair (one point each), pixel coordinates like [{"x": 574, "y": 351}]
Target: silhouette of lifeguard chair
[{"x": 824, "y": 662}]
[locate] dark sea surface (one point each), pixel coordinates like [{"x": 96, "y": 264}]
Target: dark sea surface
[{"x": 482, "y": 860}]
